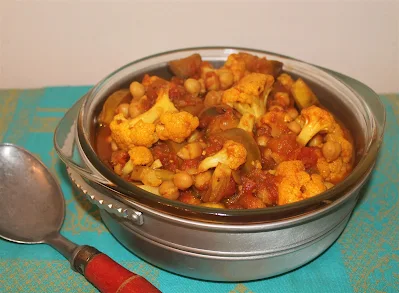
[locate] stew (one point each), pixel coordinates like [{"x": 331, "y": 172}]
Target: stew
[{"x": 242, "y": 136}]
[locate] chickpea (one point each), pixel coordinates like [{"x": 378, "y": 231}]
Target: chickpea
[
  {"x": 137, "y": 89},
  {"x": 226, "y": 78},
  {"x": 316, "y": 141},
  {"x": 168, "y": 190},
  {"x": 213, "y": 98},
  {"x": 114, "y": 146},
  {"x": 202, "y": 180},
  {"x": 294, "y": 127},
  {"x": 192, "y": 86},
  {"x": 182, "y": 180},
  {"x": 282, "y": 98},
  {"x": 293, "y": 113},
  {"x": 331, "y": 150},
  {"x": 134, "y": 109},
  {"x": 190, "y": 151},
  {"x": 212, "y": 81},
  {"x": 123, "y": 109},
  {"x": 136, "y": 106},
  {"x": 262, "y": 140}
]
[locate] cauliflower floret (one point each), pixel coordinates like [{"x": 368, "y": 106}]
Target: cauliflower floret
[
  {"x": 127, "y": 136},
  {"x": 141, "y": 155},
  {"x": 140, "y": 131},
  {"x": 334, "y": 171},
  {"x": 236, "y": 64},
  {"x": 316, "y": 120},
  {"x": 296, "y": 184},
  {"x": 162, "y": 105},
  {"x": 314, "y": 186},
  {"x": 248, "y": 89},
  {"x": 336, "y": 162},
  {"x": 247, "y": 122},
  {"x": 232, "y": 154},
  {"x": 243, "y": 63},
  {"x": 149, "y": 80},
  {"x": 346, "y": 146},
  {"x": 289, "y": 168},
  {"x": 176, "y": 126},
  {"x": 249, "y": 96}
]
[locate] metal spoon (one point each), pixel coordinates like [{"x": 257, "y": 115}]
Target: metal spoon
[{"x": 32, "y": 210}]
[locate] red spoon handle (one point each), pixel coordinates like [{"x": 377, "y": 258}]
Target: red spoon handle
[{"x": 109, "y": 276}]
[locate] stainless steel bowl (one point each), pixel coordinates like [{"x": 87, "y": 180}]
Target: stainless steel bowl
[{"x": 203, "y": 242}]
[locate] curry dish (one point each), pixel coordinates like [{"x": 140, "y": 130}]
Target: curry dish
[{"x": 245, "y": 135}]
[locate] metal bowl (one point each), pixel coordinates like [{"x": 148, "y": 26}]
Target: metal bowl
[{"x": 202, "y": 242}]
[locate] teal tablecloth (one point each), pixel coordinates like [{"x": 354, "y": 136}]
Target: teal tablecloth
[{"x": 364, "y": 259}]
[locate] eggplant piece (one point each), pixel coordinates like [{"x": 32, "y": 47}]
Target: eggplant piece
[
  {"x": 186, "y": 67},
  {"x": 164, "y": 175},
  {"x": 110, "y": 105},
  {"x": 220, "y": 182}
]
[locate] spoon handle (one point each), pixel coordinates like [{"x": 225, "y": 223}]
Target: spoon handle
[{"x": 107, "y": 275}]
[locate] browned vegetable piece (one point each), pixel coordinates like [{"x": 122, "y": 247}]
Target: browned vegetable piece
[
  {"x": 213, "y": 98},
  {"x": 186, "y": 67},
  {"x": 110, "y": 105},
  {"x": 303, "y": 95},
  {"x": 213, "y": 111},
  {"x": 261, "y": 65},
  {"x": 138, "y": 171},
  {"x": 215, "y": 205},
  {"x": 183, "y": 180},
  {"x": 193, "y": 109},
  {"x": 218, "y": 118},
  {"x": 220, "y": 182},
  {"x": 276, "y": 67}
]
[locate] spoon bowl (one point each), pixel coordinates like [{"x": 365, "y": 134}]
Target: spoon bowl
[
  {"x": 32, "y": 210},
  {"x": 29, "y": 195}
]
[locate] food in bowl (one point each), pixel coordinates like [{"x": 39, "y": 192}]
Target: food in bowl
[{"x": 242, "y": 136}]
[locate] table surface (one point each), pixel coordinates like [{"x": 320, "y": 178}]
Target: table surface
[{"x": 365, "y": 258}]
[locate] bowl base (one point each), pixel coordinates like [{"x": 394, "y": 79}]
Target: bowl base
[{"x": 219, "y": 268}]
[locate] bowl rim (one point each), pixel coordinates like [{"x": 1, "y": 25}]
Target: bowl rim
[{"x": 172, "y": 206}]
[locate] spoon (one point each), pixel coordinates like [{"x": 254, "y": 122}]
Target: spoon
[{"x": 32, "y": 210}]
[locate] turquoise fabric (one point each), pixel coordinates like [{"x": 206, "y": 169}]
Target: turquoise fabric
[{"x": 364, "y": 259}]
